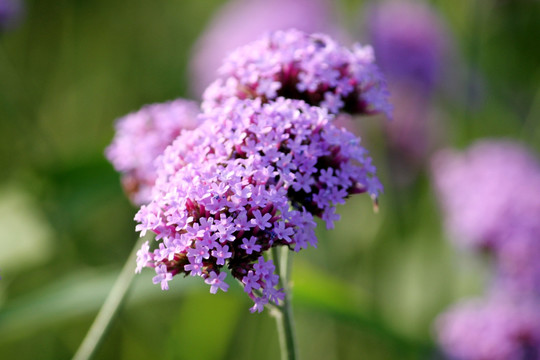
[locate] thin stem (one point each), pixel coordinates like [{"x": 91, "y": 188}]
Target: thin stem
[
  {"x": 283, "y": 313},
  {"x": 110, "y": 307}
]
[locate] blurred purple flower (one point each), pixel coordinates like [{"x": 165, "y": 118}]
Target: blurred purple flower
[
  {"x": 143, "y": 135},
  {"x": 242, "y": 21},
  {"x": 495, "y": 329},
  {"x": 309, "y": 67},
  {"x": 490, "y": 194},
  {"x": 251, "y": 177},
  {"x": 11, "y": 12},
  {"x": 410, "y": 41}
]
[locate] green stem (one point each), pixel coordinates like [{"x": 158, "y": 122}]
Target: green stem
[
  {"x": 283, "y": 313},
  {"x": 110, "y": 307}
]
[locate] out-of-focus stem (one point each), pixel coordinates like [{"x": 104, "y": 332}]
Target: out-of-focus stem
[
  {"x": 110, "y": 307},
  {"x": 283, "y": 313}
]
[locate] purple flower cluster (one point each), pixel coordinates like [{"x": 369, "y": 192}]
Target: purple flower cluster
[
  {"x": 256, "y": 167},
  {"x": 412, "y": 46},
  {"x": 490, "y": 194},
  {"x": 309, "y": 67},
  {"x": 496, "y": 329},
  {"x": 491, "y": 198},
  {"x": 251, "y": 177},
  {"x": 141, "y": 137},
  {"x": 239, "y": 22},
  {"x": 410, "y": 41}
]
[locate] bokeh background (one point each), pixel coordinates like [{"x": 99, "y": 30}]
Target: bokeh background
[{"x": 372, "y": 288}]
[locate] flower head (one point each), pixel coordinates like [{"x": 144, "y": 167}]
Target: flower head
[
  {"x": 490, "y": 193},
  {"x": 143, "y": 135},
  {"x": 410, "y": 40},
  {"x": 298, "y": 65},
  {"x": 496, "y": 329},
  {"x": 251, "y": 177},
  {"x": 491, "y": 198}
]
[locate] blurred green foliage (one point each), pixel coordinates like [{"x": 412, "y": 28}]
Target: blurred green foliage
[{"x": 371, "y": 290}]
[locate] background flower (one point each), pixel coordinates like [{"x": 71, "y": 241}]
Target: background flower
[
  {"x": 488, "y": 192},
  {"x": 494, "y": 329},
  {"x": 413, "y": 49},
  {"x": 141, "y": 137}
]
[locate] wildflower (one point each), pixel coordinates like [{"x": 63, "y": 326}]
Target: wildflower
[
  {"x": 143, "y": 135},
  {"x": 309, "y": 67},
  {"x": 241, "y": 196},
  {"x": 490, "y": 193},
  {"x": 495, "y": 329},
  {"x": 410, "y": 41},
  {"x": 491, "y": 198}
]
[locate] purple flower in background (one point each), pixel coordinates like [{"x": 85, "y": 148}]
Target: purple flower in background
[
  {"x": 242, "y": 21},
  {"x": 309, "y": 67},
  {"x": 496, "y": 329},
  {"x": 11, "y": 12},
  {"x": 490, "y": 194},
  {"x": 410, "y": 41},
  {"x": 228, "y": 191},
  {"x": 141, "y": 137}
]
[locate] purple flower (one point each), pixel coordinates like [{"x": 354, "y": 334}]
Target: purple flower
[
  {"x": 193, "y": 267},
  {"x": 239, "y": 22},
  {"x": 163, "y": 276},
  {"x": 141, "y": 137},
  {"x": 203, "y": 171},
  {"x": 216, "y": 282},
  {"x": 496, "y": 329},
  {"x": 250, "y": 245},
  {"x": 310, "y": 67},
  {"x": 410, "y": 41},
  {"x": 144, "y": 257},
  {"x": 490, "y": 193},
  {"x": 221, "y": 253},
  {"x": 251, "y": 282},
  {"x": 261, "y": 221}
]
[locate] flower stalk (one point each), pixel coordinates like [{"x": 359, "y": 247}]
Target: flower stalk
[
  {"x": 110, "y": 307},
  {"x": 283, "y": 313}
]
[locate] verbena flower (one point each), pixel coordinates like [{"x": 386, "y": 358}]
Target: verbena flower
[
  {"x": 251, "y": 177},
  {"x": 239, "y": 22},
  {"x": 141, "y": 137},
  {"x": 494, "y": 329},
  {"x": 410, "y": 41},
  {"x": 309, "y": 67},
  {"x": 490, "y": 194}
]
